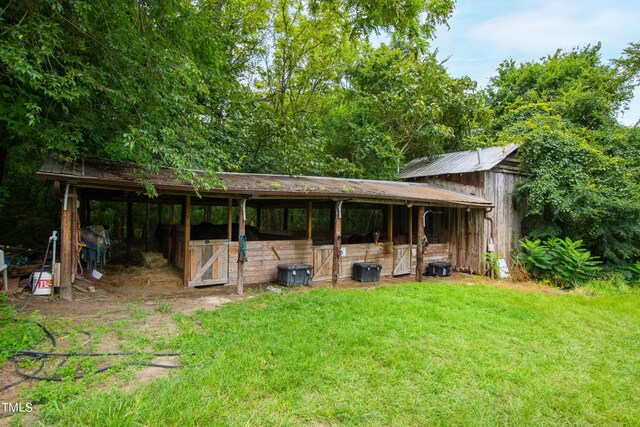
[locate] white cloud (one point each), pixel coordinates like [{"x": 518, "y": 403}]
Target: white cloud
[{"x": 535, "y": 32}]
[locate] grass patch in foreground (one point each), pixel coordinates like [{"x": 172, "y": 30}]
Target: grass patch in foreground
[{"x": 416, "y": 354}]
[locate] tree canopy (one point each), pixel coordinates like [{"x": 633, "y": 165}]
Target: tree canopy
[{"x": 582, "y": 166}]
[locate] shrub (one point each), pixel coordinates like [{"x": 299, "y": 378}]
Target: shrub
[
  {"x": 635, "y": 273},
  {"x": 491, "y": 261},
  {"x": 565, "y": 263}
]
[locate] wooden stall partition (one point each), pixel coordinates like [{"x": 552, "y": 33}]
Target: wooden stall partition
[
  {"x": 264, "y": 257},
  {"x": 381, "y": 253}
]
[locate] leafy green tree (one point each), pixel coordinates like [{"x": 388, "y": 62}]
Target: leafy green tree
[
  {"x": 150, "y": 82},
  {"x": 401, "y": 105},
  {"x": 582, "y": 166}
]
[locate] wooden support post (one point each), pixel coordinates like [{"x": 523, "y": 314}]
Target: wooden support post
[
  {"x": 310, "y": 221},
  {"x": 129, "y": 227},
  {"x": 242, "y": 240},
  {"x": 230, "y": 220},
  {"x": 67, "y": 262},
  {"x": 186, "y": 259},
  {"x": 337, "y": 243},
  {"x": 390, "y": 223},
  {"x": 420, "y": 249},
  {"x": 207, "y": 213}
]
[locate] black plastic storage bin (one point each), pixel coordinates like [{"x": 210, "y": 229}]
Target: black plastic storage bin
[
  {"x": 441, "y": 269},
  {"x": 366, "y": 272},
  {"x": 294, "y": 274}
]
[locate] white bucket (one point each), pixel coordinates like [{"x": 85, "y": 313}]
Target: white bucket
[{"x": 43, "y": 286}]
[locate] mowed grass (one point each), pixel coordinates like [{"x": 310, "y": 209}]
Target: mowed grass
[{"x": 415, "y": 354}]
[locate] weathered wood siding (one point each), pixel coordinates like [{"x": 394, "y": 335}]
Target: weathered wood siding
[
  {"x": 469, "y": 183},
  {"x": 466, "y": 240},
  {"x": 506, "y": 217},
  {"x": 382, "y": 254},
  {"x": 264, "y": 257},
  {"x": 469, "y": 231}
]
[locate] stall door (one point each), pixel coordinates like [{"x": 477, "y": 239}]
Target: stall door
[
  {"x": 402, "y": 259},
  {"x": 209, "y": 264},
  {"x": 322, "y": 262}
]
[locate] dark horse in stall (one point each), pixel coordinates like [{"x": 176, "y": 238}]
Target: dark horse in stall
[
  {"x": 371, "y": 237},
  {"x": 203, "y": 231},
  {"x": 208, "y": 231}
]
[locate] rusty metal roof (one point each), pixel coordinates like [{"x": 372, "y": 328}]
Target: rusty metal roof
[
  {"x": 110, "y": 175},
  {"x": 459, "y": 162}
]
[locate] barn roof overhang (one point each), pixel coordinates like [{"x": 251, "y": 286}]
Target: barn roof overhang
[{"x": 99, "y": 175}]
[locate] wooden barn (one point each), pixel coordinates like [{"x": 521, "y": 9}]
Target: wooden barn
[
  {"x": 490, "y": 173},
  {"x": 328, "y": 223}
]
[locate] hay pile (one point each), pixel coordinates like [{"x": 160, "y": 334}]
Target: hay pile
[{"x": 155, "y": 272}]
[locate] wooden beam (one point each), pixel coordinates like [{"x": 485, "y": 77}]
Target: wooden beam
[
  {"x": 420, "y": 242},
  {"x": 186, "y": 259},
  {"x": 310, "y": 221},
  {"x": 242, "y": 240},
  {"x": 66, "y": 245},
  {"x": 337, "y": 243}
]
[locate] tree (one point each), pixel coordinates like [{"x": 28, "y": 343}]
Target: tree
[
  {"x": 582, "y": 167},
  {"x": 401, "y": 104}
]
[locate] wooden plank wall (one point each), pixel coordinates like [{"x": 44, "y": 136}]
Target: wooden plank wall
[
  {"x": 469, "y": 183},
  {"x": 262, "y": 266},
  {"x": 466, "y": 240},
  {"x": 264, "y": 257},
  {"x": 506, "y": 217},
  {"x": 435, "y": 252},
  {"x": 381, "y": 253},
  {"x": 496, "y": 186}
]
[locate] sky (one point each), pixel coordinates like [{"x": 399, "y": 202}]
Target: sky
[{"x": 483, "y": 33}]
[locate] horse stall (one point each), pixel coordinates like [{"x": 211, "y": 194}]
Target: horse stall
[
  {"x": 239, "y": 233},
  {"x": 301, "y": 232}
]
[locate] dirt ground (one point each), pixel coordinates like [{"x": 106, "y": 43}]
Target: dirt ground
[{"x": 145, "y": 299}]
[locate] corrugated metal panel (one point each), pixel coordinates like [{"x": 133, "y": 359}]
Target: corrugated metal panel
[
  {"x": 460, "y": 162},
  {"x": 98, "y": 173}
]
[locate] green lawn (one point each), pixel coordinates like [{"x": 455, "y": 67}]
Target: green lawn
[{"x": 415, "y": 354}]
